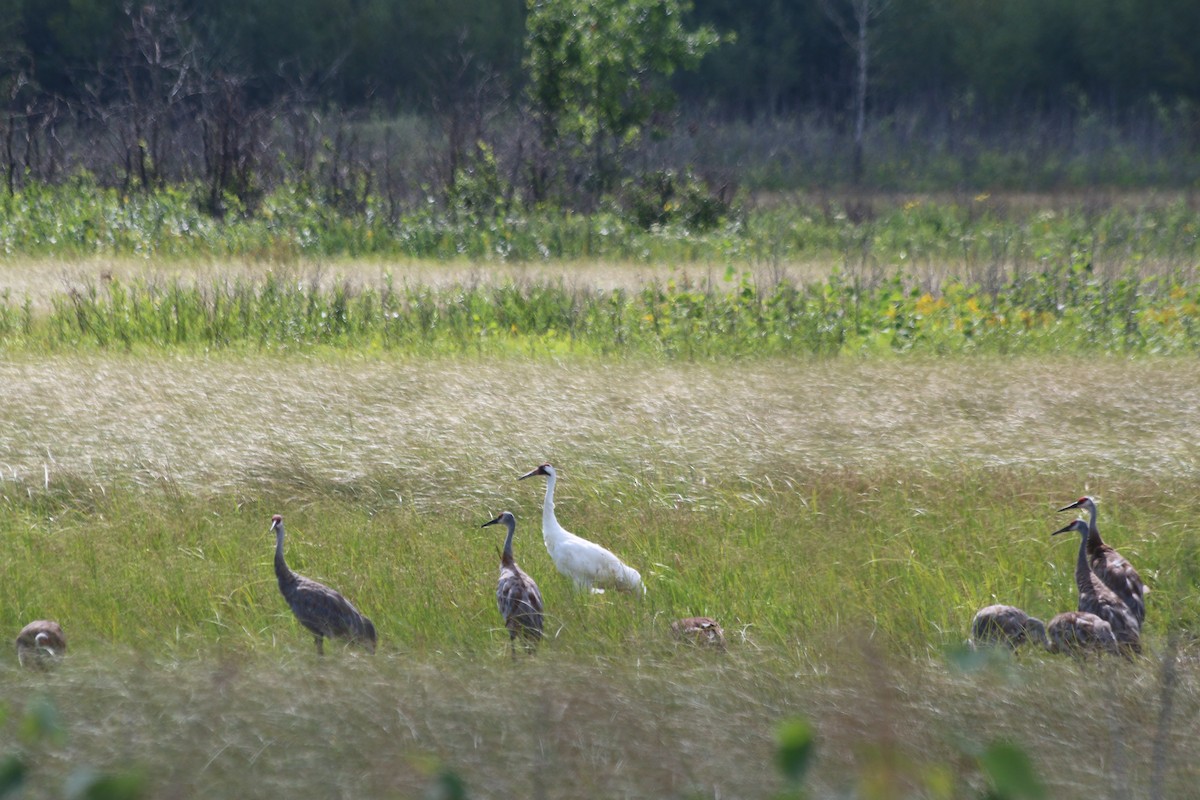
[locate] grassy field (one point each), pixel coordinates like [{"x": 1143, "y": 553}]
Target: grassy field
[
  {"x": 842, "y": 518},
  {"x": 840, "y": 425}
]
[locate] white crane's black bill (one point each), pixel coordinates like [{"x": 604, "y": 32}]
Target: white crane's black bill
[{"x": 541, "y": 470}]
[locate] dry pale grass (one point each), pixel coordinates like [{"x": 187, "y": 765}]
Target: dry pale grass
[
  {"x": 456, "y": 432},
  {"x": 42, "y": 280},
  {"x": 687, "y": 725}
]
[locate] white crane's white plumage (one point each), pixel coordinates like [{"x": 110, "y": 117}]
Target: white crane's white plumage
[{"x": 589, "y": 565}]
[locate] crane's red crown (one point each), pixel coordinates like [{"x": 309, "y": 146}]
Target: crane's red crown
[{"x": 276, "y": 518}]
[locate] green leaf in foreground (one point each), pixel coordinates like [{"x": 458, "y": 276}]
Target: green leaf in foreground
[
  {"x": 12, "y": 774},
  {"x": 447, "y": 785},
  {"x": 42, "y": 722},
  {"x": 88, "y": 785},
  {"x": 1010, "y": 772},
  {"x": 797, "y": 743}
]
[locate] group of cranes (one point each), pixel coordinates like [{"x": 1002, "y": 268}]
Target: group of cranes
[
  {"x": 1111, "y": 608},
  {"x": 1109, "y": 618},
  {"x": 327, "y": 614}
]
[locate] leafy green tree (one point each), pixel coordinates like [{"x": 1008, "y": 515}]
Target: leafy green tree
[{"x": 598, "y": 69}]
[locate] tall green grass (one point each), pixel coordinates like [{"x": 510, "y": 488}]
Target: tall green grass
[
  {"x": 1065, "y": 308},
  {"x": 845, "y": 599},
  {"x": 903, "y": 558}
]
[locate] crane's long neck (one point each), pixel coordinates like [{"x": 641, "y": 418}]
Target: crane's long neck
[
  {"x": 1094, "y": 539},
  {"x": 506, "y": 558},
  {"x": 1037, "y": 630},
  {"x": 1083, "y": 572},
  {"x": 282, "y": 572},
  {"x": 550, "y": 526}
]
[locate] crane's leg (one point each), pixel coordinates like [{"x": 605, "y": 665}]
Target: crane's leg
[{"x": 320, "y": 644}]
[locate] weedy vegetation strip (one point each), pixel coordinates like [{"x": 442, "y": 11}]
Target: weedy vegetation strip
[
  {"x": 1067, "y": 308},
  {"x": 988, "y": 235}
]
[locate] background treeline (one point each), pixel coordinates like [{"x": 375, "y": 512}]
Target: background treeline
[{"x": 408, "y": 100}]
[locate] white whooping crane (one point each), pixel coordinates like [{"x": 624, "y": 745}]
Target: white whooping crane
[{"x": 586, "y": 563}]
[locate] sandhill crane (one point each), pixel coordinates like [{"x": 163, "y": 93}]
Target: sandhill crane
[
  {"x": 699, "y": 630},
  {"x": 1096, "y": 598},
  {"x": 517, "y": 595},
  {"x": 40, "y": 644},
  {"x": 1109, "y": 566},
  {"x": 586, "y": 563},
  {"x": 1079, "y": 632},
  {"x": 1007, "y": 625},
  {"x": 320, "y": 609}
]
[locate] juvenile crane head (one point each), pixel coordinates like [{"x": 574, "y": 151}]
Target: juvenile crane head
[
  {"x": 505, "y": 516},
  {"x": 1080, "y": 526},
  {"x": 544, "y": 469},
  {"x": 1088, "y": 503}
]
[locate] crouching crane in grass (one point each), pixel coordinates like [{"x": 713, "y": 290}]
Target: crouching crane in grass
[
  {"x": 41, "y": 644},
  {"x": 703, "y": 631},
  {"x": 320, "y": 609},
  {"x": 1110, "y": 567},
  {"x": 517, "y": 596},
  {"x": 1006, "y": 625},
  {"x": 1078, "y": 633},
  {"x": 1096, "y": 598},
  {"x": 586, "y": 563}
]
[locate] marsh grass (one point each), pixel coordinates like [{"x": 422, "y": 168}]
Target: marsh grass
[
  {"x": 843, "y": 519},
  {"x": 1065, "y": 307},
  {"x": 664, "y": 724}
]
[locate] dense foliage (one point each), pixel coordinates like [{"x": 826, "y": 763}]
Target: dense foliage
[
  {"x": 552, "y": 101},
  {"x": 788, "y": 55}
]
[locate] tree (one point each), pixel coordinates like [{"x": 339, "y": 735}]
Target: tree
[
  {"x": 856, "y": 30},
  {"x": 597, "y": 70}
]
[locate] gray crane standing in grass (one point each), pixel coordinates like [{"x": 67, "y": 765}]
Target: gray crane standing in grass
[
  {"x": 1109, "y": 566},
  {"x": 1007, "y": 625},
  {"x": 517, "y": 596},
  {"x": 1096, "y": 598},
  {"x": 320, "y": 609},
  {"x": 1079, "y": 633},
  {"x": 41, "y": 644}
]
